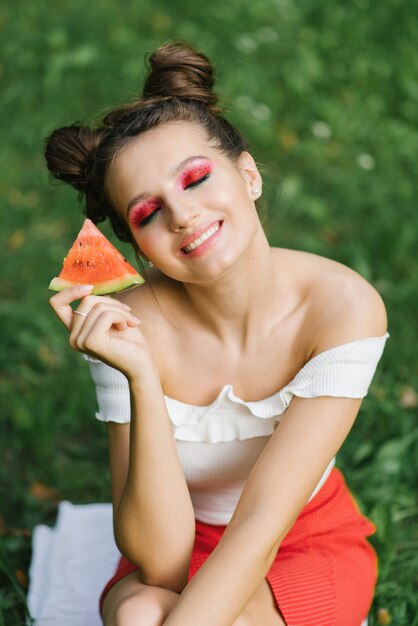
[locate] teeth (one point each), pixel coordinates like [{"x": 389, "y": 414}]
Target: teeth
[{"x": 202, "y": 238}]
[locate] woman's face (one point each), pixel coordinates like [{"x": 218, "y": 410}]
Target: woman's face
[{"x": 189, "y": 207}]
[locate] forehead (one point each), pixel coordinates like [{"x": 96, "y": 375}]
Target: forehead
[
  {"x": 158, "y": 150},
  {"x": 146, "y": 162}
]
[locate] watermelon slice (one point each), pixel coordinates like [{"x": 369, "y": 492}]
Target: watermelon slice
[{"x": 93, "y": 260}]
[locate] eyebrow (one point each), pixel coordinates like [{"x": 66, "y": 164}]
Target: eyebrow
[{"x": 175, "y": 170}]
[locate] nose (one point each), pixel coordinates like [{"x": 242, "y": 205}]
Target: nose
[{"x": 183, "y": 212}]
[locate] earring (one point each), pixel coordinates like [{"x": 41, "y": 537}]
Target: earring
[
  {"x": 255, "y": 190},
  {"x": 151, "y": 264}
]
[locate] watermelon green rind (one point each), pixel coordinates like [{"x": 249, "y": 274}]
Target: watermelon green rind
[
  {"x": 94, "y": 260},
  {"x": 100, "y": 289}
]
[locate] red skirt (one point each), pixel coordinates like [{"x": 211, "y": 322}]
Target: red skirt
[{"x": 325, "y": 570}]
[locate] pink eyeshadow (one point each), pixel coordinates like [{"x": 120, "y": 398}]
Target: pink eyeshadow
[
  {"x": 141, "y": 212},
  {"x": 193, "y": 174}
]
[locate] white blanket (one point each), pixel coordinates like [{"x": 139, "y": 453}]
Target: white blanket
[{"x": 71, "y": 564}]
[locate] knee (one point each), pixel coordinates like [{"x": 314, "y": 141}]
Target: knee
[{"x": 148, "y": 607}]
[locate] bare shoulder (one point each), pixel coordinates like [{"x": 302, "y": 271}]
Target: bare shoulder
[{"x": 341, "y": 305}]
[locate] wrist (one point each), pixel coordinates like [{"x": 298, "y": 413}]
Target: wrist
[{"x": 143, "y": 378}]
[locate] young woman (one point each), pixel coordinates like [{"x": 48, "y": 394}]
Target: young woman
[{"x": 228, "y": 380}]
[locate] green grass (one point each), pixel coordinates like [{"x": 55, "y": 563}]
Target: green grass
[{"x": 328, "y": 95}]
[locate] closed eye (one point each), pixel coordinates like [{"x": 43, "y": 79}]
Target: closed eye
[
  {"x": 146, "y": 220},
  {"x": 144, "y": 214},
  {"x": 197, "y": 182},
  {"x": 195, "y": 175}
]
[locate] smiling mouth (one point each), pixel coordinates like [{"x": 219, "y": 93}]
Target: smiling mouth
[{"x": 203, "y": 237}]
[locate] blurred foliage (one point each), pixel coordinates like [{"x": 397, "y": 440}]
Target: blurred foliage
[{"x": 328, "y": 95}]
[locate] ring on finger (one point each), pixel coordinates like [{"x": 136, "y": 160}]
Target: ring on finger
[{"x": 75, "y": 312}]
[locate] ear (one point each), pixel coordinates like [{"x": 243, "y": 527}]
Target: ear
[{"x": 251, "y": 175}]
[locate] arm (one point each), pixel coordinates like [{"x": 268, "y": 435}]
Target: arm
[
  {"x": 154, "y": 520},
  {"x": 283, "y": 478},
  {"x": 153, "y": 514}
]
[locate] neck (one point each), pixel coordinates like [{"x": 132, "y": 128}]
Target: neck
[{"x": 243, "y": 299}]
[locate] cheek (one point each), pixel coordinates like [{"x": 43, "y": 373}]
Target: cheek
[
  {"x": 233, "y": 195},
  {"x": 150, "y": 243}
]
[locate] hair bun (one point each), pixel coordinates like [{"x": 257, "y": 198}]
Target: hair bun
[
  {"x": 69, "y": 151},
  {"x": 178, "y": 70}
]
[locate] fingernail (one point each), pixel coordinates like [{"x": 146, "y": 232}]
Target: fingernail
[
  {"x": 136, "y": 319},
  {"x": 86, "y": 287}
]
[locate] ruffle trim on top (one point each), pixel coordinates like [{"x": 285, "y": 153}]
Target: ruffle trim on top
[{"x": 343, "y": 371}]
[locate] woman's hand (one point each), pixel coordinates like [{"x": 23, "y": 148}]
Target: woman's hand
[{"x": 104, "y": 328}]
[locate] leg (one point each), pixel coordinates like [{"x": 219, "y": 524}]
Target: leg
[
  {"x": 261, "y": 609},
  {"x": 132, "y": 603}
]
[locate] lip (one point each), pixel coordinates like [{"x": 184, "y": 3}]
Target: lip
[{"x": 196, "y": 234}]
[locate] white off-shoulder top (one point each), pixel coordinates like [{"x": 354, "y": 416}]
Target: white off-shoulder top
[{"x": 218, "y": 444}]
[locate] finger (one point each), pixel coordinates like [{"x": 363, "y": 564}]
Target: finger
[
  {"x": 62, "y": 300},
  {"x": 90, "y": 302},
  {"x": 90, "y": 308},
  {"x": 82, "y": 324},
  {"x": 98, "y": 324}
]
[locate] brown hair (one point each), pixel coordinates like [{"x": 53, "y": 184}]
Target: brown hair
[{"x": 179, "y": 87}]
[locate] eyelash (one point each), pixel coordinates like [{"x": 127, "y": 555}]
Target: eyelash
[
  {"x": 137, "y": 222},
  {"x": 146, "y": 220},
  {"x": 198, "y": 181}
]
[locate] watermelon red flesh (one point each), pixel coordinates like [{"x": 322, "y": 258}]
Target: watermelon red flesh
[{"x": 93, "y": 260}]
